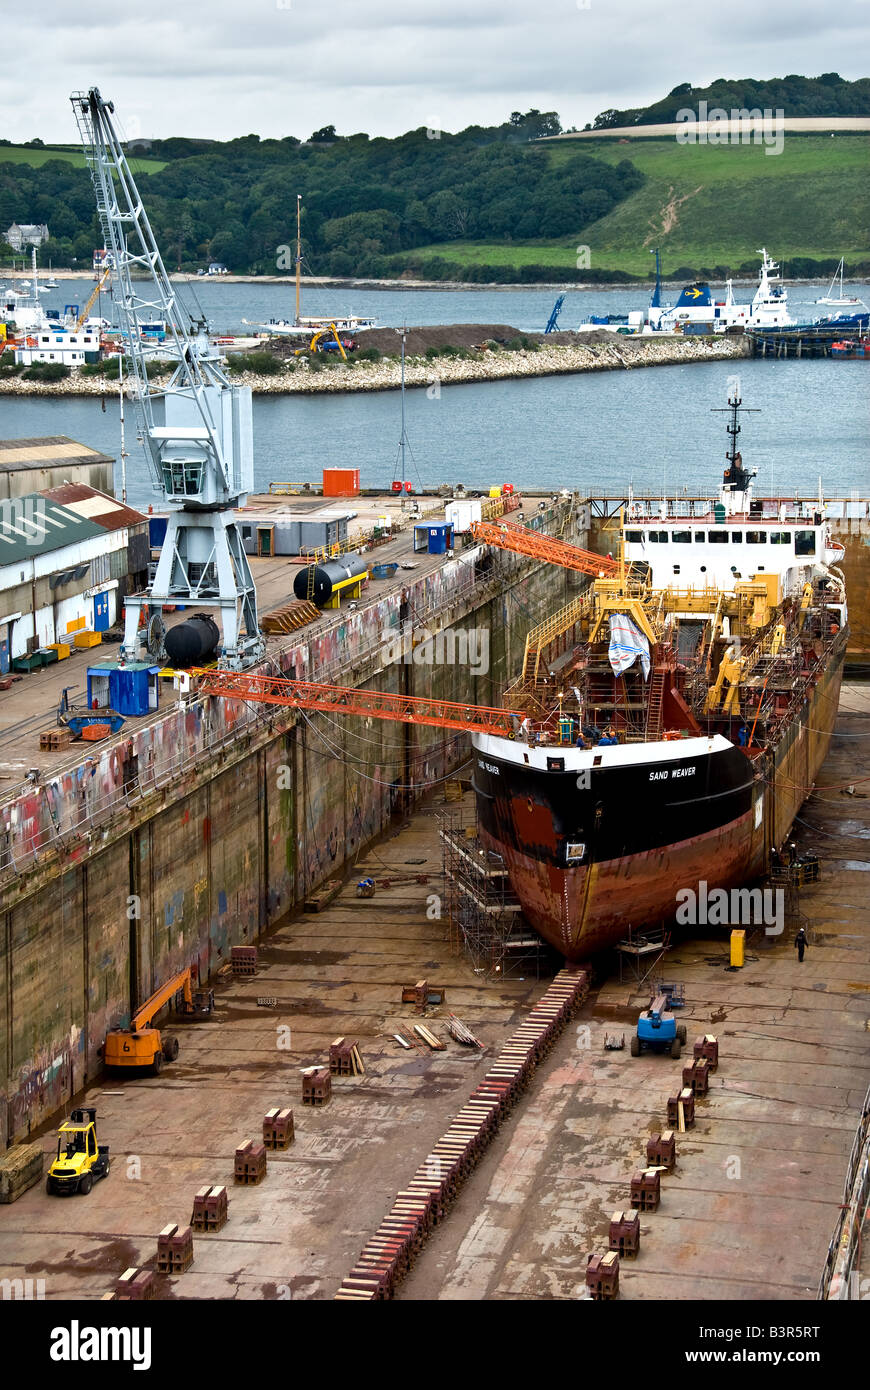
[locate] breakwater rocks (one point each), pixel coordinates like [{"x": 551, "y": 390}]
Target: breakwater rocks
[{"x": 615, "y": 353}]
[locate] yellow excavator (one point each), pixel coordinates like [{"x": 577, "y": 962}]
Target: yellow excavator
[
  {"x": 140, "y": 1045},
  {"x": 329, "y": 336}
]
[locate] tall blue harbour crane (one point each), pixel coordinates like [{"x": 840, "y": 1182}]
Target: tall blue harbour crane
[
  {"x": 656, "y": 300},
  {"x": 197, "y": 428},
  {"x": 553, "y": 320}
]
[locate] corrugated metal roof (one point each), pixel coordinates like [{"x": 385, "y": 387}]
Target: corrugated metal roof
[
  {"x": 89, "y": 503},
  {"x": 34, "y": 524},
  {"x": 48, "y": 452}
]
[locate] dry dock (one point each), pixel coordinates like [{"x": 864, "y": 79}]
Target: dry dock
[{"x": 748, "y": 1212}]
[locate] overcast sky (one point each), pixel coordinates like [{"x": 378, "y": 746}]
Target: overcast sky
[{"x": 287, "y": 67}]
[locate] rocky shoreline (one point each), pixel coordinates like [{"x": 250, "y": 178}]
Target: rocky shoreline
[{"x": 619, "y": 353}]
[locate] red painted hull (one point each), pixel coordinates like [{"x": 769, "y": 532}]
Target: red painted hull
[{"x": 598, "y": 902}]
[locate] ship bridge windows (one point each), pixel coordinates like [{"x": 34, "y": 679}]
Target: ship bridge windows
[
  {"x": 681, "y": 537},
  {"x": 736, "y": 537},
  {"x": 779, "y": 538},
  {"x": 756, "y": 537},
  {"x": 700, "y": 537},
  {"x": 804, "y": 542},
  {"x": 661, "y": 536},
  {"x": 717, "y": 537},
  {"x": 634, "y": 537}
]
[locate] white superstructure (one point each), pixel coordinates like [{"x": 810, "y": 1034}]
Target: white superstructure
[{"x": 696, "y": 306}]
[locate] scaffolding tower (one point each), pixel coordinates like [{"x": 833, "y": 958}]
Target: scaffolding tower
[
  {"x": 484, "y": 915},
  {"x": 640, "y": 952}
]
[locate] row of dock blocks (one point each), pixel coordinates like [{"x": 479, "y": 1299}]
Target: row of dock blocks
[
  {"x": 645, "y": 1189},
  {"x": 174, "y": 1256},
  {"x": 249, "y": 1167},
  {"x": 388, "y": 1255},
  {"x": 210, "y": 1211}
]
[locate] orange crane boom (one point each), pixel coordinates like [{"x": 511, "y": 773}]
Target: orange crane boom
[
  {"x": 144, "y": 1015},
  {"x": 140, "y": 1045},
  {"x": 523, "y": 541},
  {"x": 340, "y": 699}
]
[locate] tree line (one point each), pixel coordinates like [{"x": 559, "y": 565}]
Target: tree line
[
  {"x": 364, "y": 199},
  {"x": 828, "y": 95}
]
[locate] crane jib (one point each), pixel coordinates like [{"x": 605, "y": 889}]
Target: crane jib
[{"x": 337, "y": 699}]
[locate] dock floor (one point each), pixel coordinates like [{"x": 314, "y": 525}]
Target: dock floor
[{"x": 747, "y": 1214}]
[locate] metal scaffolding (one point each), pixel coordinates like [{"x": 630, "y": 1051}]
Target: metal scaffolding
[
  {"x": 640, "y": 952},
  {"x": 484, "y": 916}
]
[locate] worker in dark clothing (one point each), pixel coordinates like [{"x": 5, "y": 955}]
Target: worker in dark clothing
[{"x": 801, "y": 943}]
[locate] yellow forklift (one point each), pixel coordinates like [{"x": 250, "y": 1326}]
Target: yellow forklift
[{"x": 80, "y": 1160}]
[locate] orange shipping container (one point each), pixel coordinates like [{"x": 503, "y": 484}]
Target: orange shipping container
[{"x": 341, "y": 482}]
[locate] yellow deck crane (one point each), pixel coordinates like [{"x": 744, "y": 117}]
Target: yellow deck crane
[{"x": 92, "y": 298}]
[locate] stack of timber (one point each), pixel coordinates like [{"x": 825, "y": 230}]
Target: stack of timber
[{"x": 20, "y": 1168}]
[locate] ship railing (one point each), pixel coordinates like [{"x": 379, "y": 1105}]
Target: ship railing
[
  {"x": 840, "y": 1280},
  {"x": 647, "y": 506}
]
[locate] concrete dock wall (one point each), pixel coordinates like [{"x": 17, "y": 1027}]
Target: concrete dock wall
[{"x": 205, "y": 827}]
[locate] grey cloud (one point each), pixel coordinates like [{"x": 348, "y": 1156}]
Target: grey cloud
[{"x": 225, "y": 68}]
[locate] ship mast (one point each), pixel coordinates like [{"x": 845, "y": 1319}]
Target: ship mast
[
  {"x": 298, "y": 253},
  {"x": 736, "y": 478}
]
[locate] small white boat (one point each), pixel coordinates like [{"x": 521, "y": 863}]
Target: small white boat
[{"x": 841, "y": 301}]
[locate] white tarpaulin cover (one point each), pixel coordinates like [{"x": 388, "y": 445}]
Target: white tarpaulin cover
[{"x": 626, "y": 645}]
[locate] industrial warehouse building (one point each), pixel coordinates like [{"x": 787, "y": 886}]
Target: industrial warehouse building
[
  {"x": 30, "y": 465},
  {"x": 68, "y": 556}
]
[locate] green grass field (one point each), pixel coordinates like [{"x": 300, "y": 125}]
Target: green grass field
[
  {"x": 73, "y": 154},
  {"x": 710, "y": 205}
]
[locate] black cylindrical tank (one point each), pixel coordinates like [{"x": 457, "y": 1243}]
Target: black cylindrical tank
[
  {"x": 193, "y": 641},
  {"x": 328, "y": 577}
]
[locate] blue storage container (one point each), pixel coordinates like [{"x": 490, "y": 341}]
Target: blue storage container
[
  {"x": 440, "y": 537},
  {"x": 130, "y": 689}
]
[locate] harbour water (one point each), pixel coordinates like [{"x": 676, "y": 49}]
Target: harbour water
[
  {"x": 229, "y": 307},
  {"x": 653, "y": 427}
]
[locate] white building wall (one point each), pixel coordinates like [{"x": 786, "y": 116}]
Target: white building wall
[
  {"x": 66, "y": 348},
  {"x": 52, "y": 618}
]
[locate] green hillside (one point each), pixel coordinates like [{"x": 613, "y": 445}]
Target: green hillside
[
  {"x": 708, "y": 208},
  {"x": 37, "y": 155},
  {"x": 494, "y": 203}
]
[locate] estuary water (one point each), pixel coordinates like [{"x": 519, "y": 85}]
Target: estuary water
[{"x": 653, "y": 427}]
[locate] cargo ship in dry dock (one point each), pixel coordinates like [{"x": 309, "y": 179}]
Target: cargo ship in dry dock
[{"x": 677, "y": 733}]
